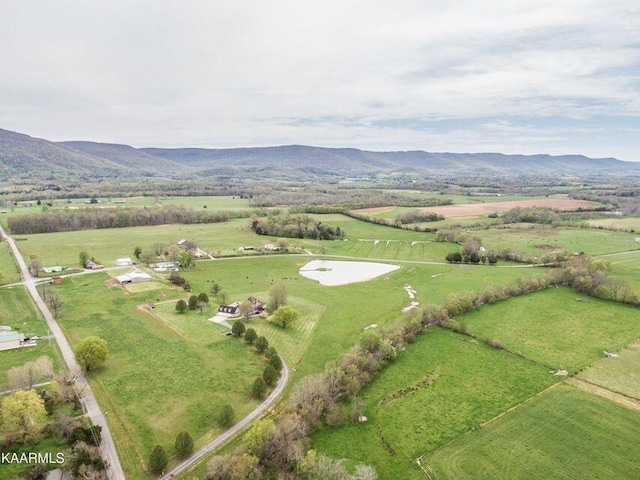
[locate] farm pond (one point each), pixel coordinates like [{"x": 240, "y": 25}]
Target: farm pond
[{"x": 333, "y": 273}]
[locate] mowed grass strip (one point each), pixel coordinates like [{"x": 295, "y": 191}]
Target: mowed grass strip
[
  {"x": 554, "y": 328},
  {"x": 155, "y": 383},
  {"x": 9, "y": 272},
  {"x": 460, "y": 385},
  {"x": 620, "y": 374},
  {"x": 564, "y": 433}
]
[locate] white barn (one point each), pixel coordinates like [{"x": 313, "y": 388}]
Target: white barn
[
  {"x": 10, "y": 339},
  {"x": 134, "y": 277},
  {"x": 123, "y": 262}
]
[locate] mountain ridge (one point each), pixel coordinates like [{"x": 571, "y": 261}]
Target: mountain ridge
[{"x": 22, "y": 156}]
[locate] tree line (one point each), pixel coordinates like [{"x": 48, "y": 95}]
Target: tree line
[
  {"x": 295, "y": 226},
  {"x": 94, "y": 218}
]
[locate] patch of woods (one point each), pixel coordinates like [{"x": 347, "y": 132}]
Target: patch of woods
[
  {"x": 97, "y": 218},
  {"x": 278, "y": 447},
  {"x": 295, "y": 226},
  {"x": 52, "y": 415},
  {"x": 343, "y": 198}
]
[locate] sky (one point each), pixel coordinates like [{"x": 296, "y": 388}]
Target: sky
[{"x": 526, "y": 76}]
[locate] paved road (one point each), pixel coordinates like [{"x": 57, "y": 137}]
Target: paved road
[
  {"x": 284, "y": 378},
  {"x": 107, "y": 447}
]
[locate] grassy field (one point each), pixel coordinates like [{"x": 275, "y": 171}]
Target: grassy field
[
  {"x": 154, "y": 383},
  {"x": 348, "y": 308},
  {"x": 621, "y": 374},
  {"x": 9, "y": 272},
  {"x": 627, "y": 266},
  {"x": 462, "y": 384},
  {"x": 365, "y": 240},
  {"x": 617, "y": 223},
  {"x": 107, "y": 245},
  {"x": 18, "y": 311},
  {"x": 563, "y": 434},
  {"x": 538, "y": 240},
  {"x": 552, "y": 328}
]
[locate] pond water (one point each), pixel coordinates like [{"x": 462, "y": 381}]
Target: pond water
[{"x": 332, "y": 273}]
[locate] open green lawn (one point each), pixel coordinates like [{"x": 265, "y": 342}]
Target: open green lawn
[
  {"x": 9, "y": 272},
  {"x": 538, "y": 240},
  {"x": 552, "y": 328},
  {"x": 154, "y": 383},
  {"x": 290, "y": 342},
  {"x": 621, "y": 374},
  {"x": 18, "y": 311},
  {"x": 626, "y": 265},
  {"x": 460, "y": 385},
  {"x": 564, "y": 433}
]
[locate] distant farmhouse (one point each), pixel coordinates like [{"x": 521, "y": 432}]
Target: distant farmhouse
[
  {"x": 164, "y": 266},
  {"x": 134, "y": 277},
  {"x": 93, "y": 265},
  {"x": 52, "y": 269},
  {"x": 233, "y": 310},
  {"x": 191, "y": 247},
  {"x": 123, "y": 262}
]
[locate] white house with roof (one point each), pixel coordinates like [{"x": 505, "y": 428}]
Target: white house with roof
[{"x": 123, "y": 262}]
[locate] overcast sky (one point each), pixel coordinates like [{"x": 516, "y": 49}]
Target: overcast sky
[{"x": 560, "y": 76}]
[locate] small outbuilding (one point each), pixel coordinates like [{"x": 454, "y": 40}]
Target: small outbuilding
[
  {"x": 57, "y": 280},
  {"x": 123, "y": 262}
]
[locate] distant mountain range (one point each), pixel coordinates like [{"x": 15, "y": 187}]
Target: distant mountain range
[{"x": 25, "y": 157}]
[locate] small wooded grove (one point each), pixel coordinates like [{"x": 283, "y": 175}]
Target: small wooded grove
[
  {"x": 94, "y": 218},
  {"x": 295, "y": 226}
]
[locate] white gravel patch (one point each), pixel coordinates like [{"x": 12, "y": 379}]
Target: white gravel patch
[{"x": 332, "y": 273}]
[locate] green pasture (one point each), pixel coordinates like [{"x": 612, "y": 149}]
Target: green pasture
[
  {"x": 627, "y": 266},
  {"x": 18, "y": 311},
  {"x": 553, "y": 328},
  {"x": 9, "y": 272},
  {"x": 538, "y": 239},
  {"x": 619, "y": 374},
  {"x": 154, "y": 383},
  {"x": 348, "y": 308},
  {"x": 106, "y": 245},
  {"x": 564, "y": 433},
  {"x": 457, "y": 384}
]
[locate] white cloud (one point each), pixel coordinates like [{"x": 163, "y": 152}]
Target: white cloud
[{"x": 323, "y": 73}]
